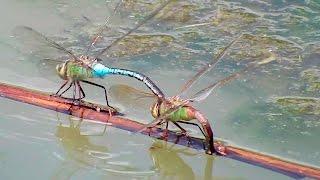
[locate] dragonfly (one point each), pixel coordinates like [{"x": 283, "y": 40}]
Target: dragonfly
[
  {"x": 79, "y": 69},
  {"x": 180, "y": 111}
]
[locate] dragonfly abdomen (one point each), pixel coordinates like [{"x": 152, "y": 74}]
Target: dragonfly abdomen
[{"x": 101, "y": 71}]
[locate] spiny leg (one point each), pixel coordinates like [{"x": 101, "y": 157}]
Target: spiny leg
[
  {"x": 74, "y": 91},
  {"x": 159, "y": 123},
  {"x": 81, "y": 92},
  {"x": 63, "y": 85},
  {"x": 181, "y": 128},
  {"x": 195, "y": 124},
  {"x": 165, "y": 133},
  {"x": 74, "y": 94},
  {"x": 184, "y": 132},
  {"x": 66, "y": 89},
  {"x": 77, "y": 91},
  {"x": 98, "y": 85},
  {"x": 105, "y": 93}
]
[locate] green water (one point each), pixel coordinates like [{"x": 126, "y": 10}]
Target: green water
[{"x": 250, "y": 112}]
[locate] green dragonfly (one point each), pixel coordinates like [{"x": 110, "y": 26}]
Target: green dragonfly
[
  {"x": 177, "y": 110},
  {"x": 79, "y": 69}
]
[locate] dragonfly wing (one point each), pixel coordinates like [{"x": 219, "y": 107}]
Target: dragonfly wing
[
  {"x": 150, "y": 16},
  {"x": 36, "y": 44},
  {"x": 204, "y": 93},
  {"x": 208, "y": 67},
  {"x": 102, "y": 28},
  {"x": 129, "y": 96}
]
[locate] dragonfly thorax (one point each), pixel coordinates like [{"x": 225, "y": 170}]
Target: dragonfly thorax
[
  {"x": 160, "y": 107},
  {"x": 74, "y": 70},
  {"x": 87, "y": 60}
]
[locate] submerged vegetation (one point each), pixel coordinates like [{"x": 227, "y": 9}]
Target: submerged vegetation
[
  {"x": 300, "y": 105},
  {"x": 147, "y": 44},
  {"x": 274, "y": 109},
  {"x": 312, "y": 78},
  {"x": 177, "y": 11}
]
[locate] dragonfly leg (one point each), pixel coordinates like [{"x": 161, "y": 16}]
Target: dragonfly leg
[
  {"x": 150, "y": 127},
  {"x": 184, "y": 132},
  {"x": 165, "y": 132},
  {"x": 98, "y": 85},
  {"x": 181, "y": 128},
  {"x": 74, "y": 91},
  {"x": 195, "y": 124},
  {"x": 63, "y": 85},
  {"x": 65, "y": 90},
  {"x": 105, "y": 93},
  {"x": 74, "y": 94},
  {"x": 81, "y": 92}
]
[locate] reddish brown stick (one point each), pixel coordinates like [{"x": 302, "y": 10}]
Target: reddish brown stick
[{"x": 87, "y": 111}]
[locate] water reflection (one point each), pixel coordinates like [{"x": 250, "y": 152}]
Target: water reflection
[
  {"x": 168, "y": 160},
  {"x": 79, "y": 153},
  {"x": 78, "y": 148}
]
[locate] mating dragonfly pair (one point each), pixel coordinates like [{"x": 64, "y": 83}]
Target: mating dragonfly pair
[{"x": 79, "y": 69}]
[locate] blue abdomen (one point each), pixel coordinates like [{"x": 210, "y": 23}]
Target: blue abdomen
[{"x": 99, "y": 70}]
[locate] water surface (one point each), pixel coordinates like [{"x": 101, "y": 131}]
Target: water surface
[{"x": 251, "y": 112}]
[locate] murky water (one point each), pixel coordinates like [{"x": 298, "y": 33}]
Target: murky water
[{"x": 274, "y": 109}]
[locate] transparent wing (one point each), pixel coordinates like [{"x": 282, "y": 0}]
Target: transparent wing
[
  {"x": 204, "y": 93},
  {"x": 207, "y": 68},
  {"x": 102, "y": 28},
  {"x": 150, "y": 16},
  {"x": 37, "y": 44},
  {"x": 131, "y": 97}
]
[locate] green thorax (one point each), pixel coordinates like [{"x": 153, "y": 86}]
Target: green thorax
[
  {"x": 183, "y": 113},
  {"x": 78, "y": 72}
]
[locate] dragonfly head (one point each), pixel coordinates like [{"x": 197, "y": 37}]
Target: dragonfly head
[{"x": 61, "y": 70}]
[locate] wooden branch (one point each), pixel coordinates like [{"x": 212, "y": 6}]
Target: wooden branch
[{"x": 99, "y": 113}]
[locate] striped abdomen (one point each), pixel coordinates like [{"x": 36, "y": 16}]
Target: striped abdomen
[{"x": 99, "y": 70}]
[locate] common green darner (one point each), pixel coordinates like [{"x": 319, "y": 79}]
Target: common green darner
[
  {"x": 178, "y": 110},
  {"x": 78, "y": 69}
]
